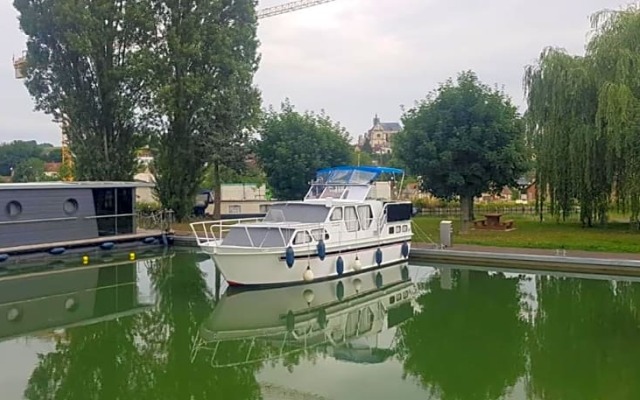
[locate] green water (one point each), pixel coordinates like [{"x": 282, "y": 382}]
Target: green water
[{"x": 165, "y": 328}]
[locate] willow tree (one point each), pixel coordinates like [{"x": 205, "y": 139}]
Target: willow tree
[{"x": 583, "y": 115}]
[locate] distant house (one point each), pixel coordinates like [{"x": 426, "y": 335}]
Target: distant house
[
  {"x": 379, "y": 136},
  {"x": 52, "y": 169}
]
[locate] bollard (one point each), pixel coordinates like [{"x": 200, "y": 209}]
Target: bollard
[{"x": 446, "y": 234}]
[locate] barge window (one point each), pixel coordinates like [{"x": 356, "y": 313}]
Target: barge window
[
  {"x": 350, "y": 219},
  {"x": 70, "y": 206},
  {"x": 114, "y": 209},
  {"x": 125, "y": 200},
  {"x": 14, "y": 208}
]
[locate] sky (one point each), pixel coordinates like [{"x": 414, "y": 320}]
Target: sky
[{"x": 357, "y": 58}]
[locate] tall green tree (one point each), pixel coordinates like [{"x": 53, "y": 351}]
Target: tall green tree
[
  {"x": 293, "y": 146},
  {"x": 203, "y": 100},
  {"x": 83, "y": 69},
  {"x": 583, "y": 115},
  {"x": 463, "y": 139}
]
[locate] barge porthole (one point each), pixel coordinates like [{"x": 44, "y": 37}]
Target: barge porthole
[
  {"x": 70, "y": 304},
  {"x": 70, "y": 206},
  {"x": 13, "y": 315},
  {"x": 13, "y": 208}
]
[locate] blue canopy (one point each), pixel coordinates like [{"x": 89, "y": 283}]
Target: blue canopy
[
  {"x": 350, "y": 175},
  {"x": 366, "y": 168}
]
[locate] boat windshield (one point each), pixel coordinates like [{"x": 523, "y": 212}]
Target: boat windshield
[{"x": 346, "y": 182}]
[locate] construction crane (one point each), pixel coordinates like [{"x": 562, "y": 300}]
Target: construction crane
[
  {"x": 19, "y": 63},
  {"x": 289, "y": 7}
]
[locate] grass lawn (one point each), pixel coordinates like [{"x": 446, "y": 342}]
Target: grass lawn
[{"x": 530, "y": 233}]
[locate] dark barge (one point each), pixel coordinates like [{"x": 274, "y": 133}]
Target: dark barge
[{"x": 45, "y": 219}]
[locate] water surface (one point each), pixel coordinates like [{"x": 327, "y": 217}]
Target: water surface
[{"x": 164, "y": 327}]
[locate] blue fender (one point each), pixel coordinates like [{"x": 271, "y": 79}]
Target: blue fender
[
  {"x": 149, "y": 240},
  {"x": 339, "y": 265},
  {"x": 405, "y": 250},
  {"x": 4, "y": 257},
  {"x": 322, "y": 250},
  {"x": 57, "y": 250},
  {"x": 107, "y": 245},
  {"x": 378, "y": 256},
  {"x": 290, "y": 256}
]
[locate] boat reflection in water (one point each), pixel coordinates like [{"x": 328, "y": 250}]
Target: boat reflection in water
[
  {"x": 341, "y": 318},
  {"x": 49, "y": 298}
]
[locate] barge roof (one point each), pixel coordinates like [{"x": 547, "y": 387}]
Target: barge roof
[{"x": 73, "y": 185}]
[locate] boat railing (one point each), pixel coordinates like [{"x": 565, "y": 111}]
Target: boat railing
[{"x": 210, "y": 232}]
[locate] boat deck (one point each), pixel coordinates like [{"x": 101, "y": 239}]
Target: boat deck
[{"x": 70, "y": 244}]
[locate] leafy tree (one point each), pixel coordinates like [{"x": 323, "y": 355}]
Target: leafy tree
[
  {"x": 583, "y": 118},
  {"x": 83, "y": 69},
  {"x": 361, "y": 157},
  {"x": 203, "y": 100},
  {"x": 13, "y": 153},
  {"x": 30, "y": 170},
  {"x": 463, "y": 139},
  {"x": 294, "y": 146}
]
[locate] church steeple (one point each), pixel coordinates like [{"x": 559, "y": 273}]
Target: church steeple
[{"x": 376, "y": 120}]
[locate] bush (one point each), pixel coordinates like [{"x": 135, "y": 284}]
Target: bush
[{"x": 147, "y": 208}]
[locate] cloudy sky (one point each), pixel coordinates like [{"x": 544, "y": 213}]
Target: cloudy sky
[{"x": 355, "y": 58}]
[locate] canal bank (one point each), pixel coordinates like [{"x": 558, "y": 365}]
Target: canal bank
[{"x": 559, "y": 260}]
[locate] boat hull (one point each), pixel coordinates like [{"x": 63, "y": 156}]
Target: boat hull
[{"x": 270, "y": 268}]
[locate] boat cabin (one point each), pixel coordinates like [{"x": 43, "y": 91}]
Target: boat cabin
[
  {"x": 46, "y": 212},
  {"x": 337, "y": 207}
]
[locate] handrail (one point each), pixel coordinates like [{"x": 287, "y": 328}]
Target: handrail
[{"x": 221, "y": 226}]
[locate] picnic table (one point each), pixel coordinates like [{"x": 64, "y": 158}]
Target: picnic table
[{"x": 492, "y": 221}]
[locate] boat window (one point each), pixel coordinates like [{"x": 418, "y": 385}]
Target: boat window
[
  {"x": 391, "y": 230},
  {"x": 289, "y": 212},
  {"x": 319, "y": 234},
  {"x": 350, "y": 219},
  {"x": 336, "y": 215},
  {"x": 365, "y": 214},
  {"x": 405, "y": 228},
  {"x": 257, "y": 236},
  {"x": 302, "y": 238}
]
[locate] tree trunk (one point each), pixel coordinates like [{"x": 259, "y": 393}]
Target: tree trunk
[
  {"x": 217, "y": 191},
  {"x": 466, "y": 208}
]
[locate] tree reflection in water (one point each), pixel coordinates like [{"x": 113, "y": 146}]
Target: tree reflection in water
[
  {"x": 468, "y": 342},
  {"x": 584, "y": 343},
  {"x": 147, "y": 355}
]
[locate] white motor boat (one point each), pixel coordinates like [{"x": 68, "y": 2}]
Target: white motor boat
[{"x": 339, "y": 228}]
